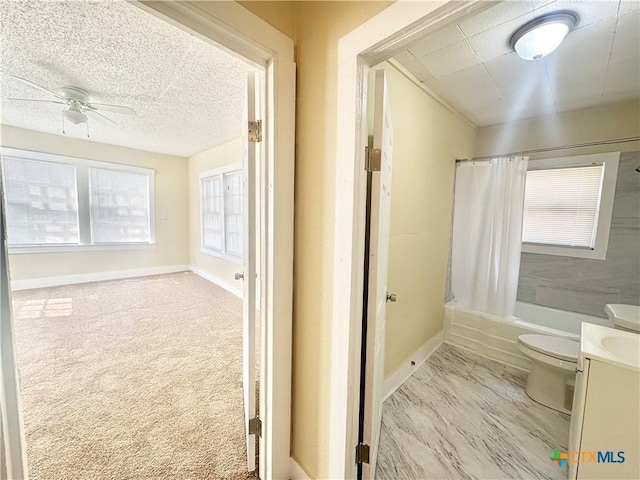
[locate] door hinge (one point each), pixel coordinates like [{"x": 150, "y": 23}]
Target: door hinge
[
  {"x": 373, "y": 159},
  {"x": 255, "y": 426},
  {"x": 362, "y": 453},
  {"x": 255, "y": 131}
]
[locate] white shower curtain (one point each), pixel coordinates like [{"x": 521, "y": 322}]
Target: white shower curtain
[{"x": 487, "y": 230}]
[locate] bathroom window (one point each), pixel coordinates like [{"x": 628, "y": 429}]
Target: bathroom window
[
  {"x": 221, "y": 209},
  {"x": 568, "y": 205}
]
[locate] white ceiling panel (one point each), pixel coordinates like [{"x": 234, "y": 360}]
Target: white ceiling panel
[
  {"x": 449, "y": 59},
  {"x": 418, "y": 70},
  {"x": 536, "y": 4},
  {"x": 494, "y": 43},
  {"x": 588, "y": 11},
  {"x": 628, "y": 5},
  {"x": 511, "y": 69},
  {"x": 188, "y": 94},
  {"x": 578, "y": 86},
  {"x": 472, "y": 87},
  {"x": 440, "y": 39},
  {"x": 494, "y": 16},
  {"x": 623, "y": 78},
  {"x": 586, "y": 48},
  {"x": 405, "y": 57},
  {"x": 529, "y": 93},
  {"x": 598, "y": 63},
  {"x": 626, "y": 44}
]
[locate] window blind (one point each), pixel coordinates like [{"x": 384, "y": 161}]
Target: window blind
[
  {"x": 120, "y": 207},
  {"x": 233, "y": 213},
  {"x": 212, "y": 213},
  {"x": 42, "y": 202},
  {"x": 561, "y": 206}
]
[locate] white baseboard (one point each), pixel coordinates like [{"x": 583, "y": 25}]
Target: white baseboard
[
  {"x": 93, "y": 277},
  {"x": 218, "y": 281},
  {"x": 296, "y": 472},
  {"x": 401, "y": 375}
]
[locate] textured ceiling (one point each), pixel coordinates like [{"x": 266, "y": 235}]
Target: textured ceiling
[
  {"x": 470, "y": 63},
  {"x": 189, "y": 95}
]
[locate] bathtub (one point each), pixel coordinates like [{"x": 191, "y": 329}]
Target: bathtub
[
  {"x": 554, "y": 319},
  {"x": 496, "y": 337}
]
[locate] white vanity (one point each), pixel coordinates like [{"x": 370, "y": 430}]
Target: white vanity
[{"x": 606, "y": 406}]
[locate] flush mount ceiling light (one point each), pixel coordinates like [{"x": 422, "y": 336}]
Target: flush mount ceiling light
[{"x": 543, "y": 35}]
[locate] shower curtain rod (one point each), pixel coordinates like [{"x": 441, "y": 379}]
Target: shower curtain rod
[{"x": 552, "y": 149}]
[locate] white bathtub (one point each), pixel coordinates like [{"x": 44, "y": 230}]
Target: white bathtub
[
  {"x": 496, "y": 337},
  {"x": 555, "y": 319}
]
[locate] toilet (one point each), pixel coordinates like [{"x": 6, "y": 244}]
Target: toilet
[
  {"x": 554, "y": 359},
  {"x": 553, "y": 370}
]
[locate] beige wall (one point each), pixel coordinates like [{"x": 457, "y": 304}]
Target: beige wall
[
  {"x": 318, "y": 27},
  {"x": 427, "y": 139},
  {"x": 171, "y": 247},
  {"x": 280, "y": 14},
  {"x": 619, "y": 120},
  {"x": 230, "y": 152}
]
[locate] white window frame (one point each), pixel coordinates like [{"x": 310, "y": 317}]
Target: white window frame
[
  {"x": 605, "y": 212},
  {"x": 219, "y": 171},
  {"x": 83, "y": 166}
]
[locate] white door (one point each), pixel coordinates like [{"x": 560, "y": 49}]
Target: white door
[
  {"x": 12, "y": 442},
  {"x": 378, "y": 267},
  {"x": 250, "y": 165}
]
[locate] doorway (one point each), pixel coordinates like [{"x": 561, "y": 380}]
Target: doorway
[
  {"x": 276, "y": 297},
  {"x": 378, "y": 39}
]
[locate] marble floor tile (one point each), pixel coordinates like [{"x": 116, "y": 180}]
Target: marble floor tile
[{"x": 461, "y": 416}]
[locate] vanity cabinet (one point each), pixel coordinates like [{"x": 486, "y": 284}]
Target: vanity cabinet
[{"x": 606, "y": 420}]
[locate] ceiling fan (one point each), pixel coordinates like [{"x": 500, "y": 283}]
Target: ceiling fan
[{"x": 77, "y": 107}]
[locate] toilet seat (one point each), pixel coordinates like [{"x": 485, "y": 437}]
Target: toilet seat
[{"x": 556, "y": 347}]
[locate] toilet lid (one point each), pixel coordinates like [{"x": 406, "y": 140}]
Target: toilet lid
[{"x": 557, "y": 347}]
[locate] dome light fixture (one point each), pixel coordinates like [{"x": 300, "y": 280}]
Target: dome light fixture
[{"x": 540, "y": 37}]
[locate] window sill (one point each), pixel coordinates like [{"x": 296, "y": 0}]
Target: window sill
[
  {"x": 598, "y": 253},
  {"x": 29, "y": 249},
  {"x": 222, "y": 255}
]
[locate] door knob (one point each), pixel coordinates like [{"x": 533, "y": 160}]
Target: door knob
[
  {"x": 239, "y": 276},
  {"x": 391, "y": 297}
]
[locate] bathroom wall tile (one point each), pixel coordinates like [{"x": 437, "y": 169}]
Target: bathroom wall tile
[
  {"x": 626, "y": 204},
  {"x": 586, "y": 285},
  {"x": 547, "y": 266},
  {"x": 527, "y": 289},
  {"x": 575, "y": 297},
  {"x": 628, "y": 179},
  {"x": 626, "y": 201}
]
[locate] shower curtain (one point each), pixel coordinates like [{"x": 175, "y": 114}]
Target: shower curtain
[{"x": 487, "y": 230}]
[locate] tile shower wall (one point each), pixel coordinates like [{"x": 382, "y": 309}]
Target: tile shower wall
[{"x": 584, "y": 285}]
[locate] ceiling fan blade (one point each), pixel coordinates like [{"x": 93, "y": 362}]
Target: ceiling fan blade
[
  {"x": 36, "y": 100},
  {"x": 35, "y": 85},
  {"x": 97, "y": 116},
  {"x": 103, "y": 107}
]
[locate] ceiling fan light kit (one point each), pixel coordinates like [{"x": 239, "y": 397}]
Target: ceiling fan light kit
[
  {"x": 540, "y": 37},
  {"x": 74, "y": 115},
  {"x": 77, "y": 106}
]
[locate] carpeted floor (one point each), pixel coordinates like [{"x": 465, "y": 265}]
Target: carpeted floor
[{"x": 138, "y": 378}]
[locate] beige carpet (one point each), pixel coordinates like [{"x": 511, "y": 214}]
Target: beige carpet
[{"x": 138, "y": 378}]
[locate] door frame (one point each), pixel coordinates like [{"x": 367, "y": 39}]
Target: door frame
[
  {"x": 378, "y": 39},
  {"x": 239, "y": 31}
]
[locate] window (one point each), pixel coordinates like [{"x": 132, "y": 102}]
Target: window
[
  {"x": 55, "y": 201},
  {"x": 222, "y": 214},
  {"x": 42, "y": 202},
  {"x": 120, "y": 210},
  {"x": 568, "y": 205}
]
